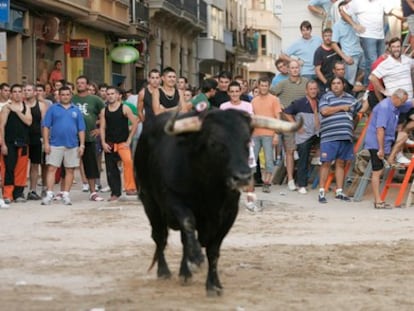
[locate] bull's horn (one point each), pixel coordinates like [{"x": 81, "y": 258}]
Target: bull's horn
[
  {"x": 276, "y": 124},
  {"x": 186, "y": 125}
]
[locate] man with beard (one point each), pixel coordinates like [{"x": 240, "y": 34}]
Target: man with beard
[{"x": 324, "y": 60}]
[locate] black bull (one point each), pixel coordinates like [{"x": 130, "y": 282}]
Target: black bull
[{"x": 189, "y": 181}]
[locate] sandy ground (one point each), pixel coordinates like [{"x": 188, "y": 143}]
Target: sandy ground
[{"x": 295, "y": 255}]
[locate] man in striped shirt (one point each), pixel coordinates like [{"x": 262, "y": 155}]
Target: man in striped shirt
[{"x": 337, "y": 110}]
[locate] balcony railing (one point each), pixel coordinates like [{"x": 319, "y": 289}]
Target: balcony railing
[{"x": 141, "y": 13}]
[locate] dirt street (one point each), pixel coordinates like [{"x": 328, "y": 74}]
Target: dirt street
[{"x": 295, "y": 255}]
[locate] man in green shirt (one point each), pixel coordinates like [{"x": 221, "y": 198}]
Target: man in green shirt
[
  {"x": 90, "y": 106},
  {"x": 208, "y": 90}
]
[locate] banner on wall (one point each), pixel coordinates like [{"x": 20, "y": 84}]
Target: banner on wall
[
  {"x": 4, "y": 11},
  {"x": 79, "y": 48}
]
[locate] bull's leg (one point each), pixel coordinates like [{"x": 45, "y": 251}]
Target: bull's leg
[
  {"x": 186, "y": 222},
  {"x": 185, "y": 272},
  {"x": 213, "y": 285},
  {"x": 160, "y": 235}
]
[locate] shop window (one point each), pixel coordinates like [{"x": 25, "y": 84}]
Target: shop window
[{"x": 94, "y": 66}]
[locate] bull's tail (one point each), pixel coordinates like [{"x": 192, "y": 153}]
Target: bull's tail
[{"x": 154, "y": 260}]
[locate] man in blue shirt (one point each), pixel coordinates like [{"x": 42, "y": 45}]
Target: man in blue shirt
[
  {"x": 64, "y": 141},
  {"x": 381, "y": 139},
  {"x": 282, "y": 67},
  {"x": 303, "y": 50}
]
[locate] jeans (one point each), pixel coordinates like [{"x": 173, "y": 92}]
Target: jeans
[
  {"x": 267, "y": 143},
  {"x": 373, "y": 48},
  {"x": 351, "y": 71},
  {"x": 303, "y": 150}
]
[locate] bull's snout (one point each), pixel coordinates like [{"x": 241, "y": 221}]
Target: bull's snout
[{"x": 238, "y": 180}]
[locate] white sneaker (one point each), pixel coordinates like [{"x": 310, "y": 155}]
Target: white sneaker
[
  {"x": 302, "y": 190},
  {"x": 295, "y": 155},
  {"x": 106, "y": 189},
  {"x": 66, "y": 200},
  {"x": 85, "y": 188},
  {"x": 402, "y": 159},
  {"x": 47, "y": 200},
  {"x": 316, "y": 161},
  {"x": 252, "y": 207},
  {"x": 3, "y": 204},
  {"x": 291, "y": 185},
  {"x": 409, "y": 142}
]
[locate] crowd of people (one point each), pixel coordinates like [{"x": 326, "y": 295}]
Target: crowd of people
[
  {"x": 327, "y": 81},
  {"x": 52, "y": 134}
]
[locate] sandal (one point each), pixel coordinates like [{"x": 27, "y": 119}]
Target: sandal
[{"x": 382, "y": 205}]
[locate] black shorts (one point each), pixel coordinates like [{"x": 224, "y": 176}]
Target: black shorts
[
  {"x": 90, "y": 162},
  {"x": 377, "y": 163},
  {"x": 372, "y": 99},
  {"x": 35, "y": 154}
]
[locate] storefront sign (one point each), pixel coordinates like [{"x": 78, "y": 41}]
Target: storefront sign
[
  {"x": 124, "y": 54},
  {"x": 4, "y": 11},
  {"x": 79, "y": 48}
]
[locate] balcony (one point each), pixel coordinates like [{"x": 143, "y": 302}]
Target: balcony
[
  {"x": 211, "y": 49},
  {"x": 140, "y": 13},
  {"x": 187, "y": 13},
  {"x": 102, "y": 15},
  {"x": 245, "y": 45}
]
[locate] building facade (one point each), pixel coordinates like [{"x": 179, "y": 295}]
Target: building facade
[
  {"x": 263, "y": 16},
  {"x": 175, "y": 26},
  {"x": 80, "y": 33}
]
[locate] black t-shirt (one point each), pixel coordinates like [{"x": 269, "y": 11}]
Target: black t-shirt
[
  {"x": 219, "y": 98},
  {"x": 326, "y": 59}
]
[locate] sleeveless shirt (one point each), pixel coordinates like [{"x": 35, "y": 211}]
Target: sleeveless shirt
[
  {"x": 35, "y": 132},
  {"x": 149, "y": 113},
  {"x": 16, "y": 132},
  {"x": 117, "y": 130},
  {"x": 168, "y": 102}
]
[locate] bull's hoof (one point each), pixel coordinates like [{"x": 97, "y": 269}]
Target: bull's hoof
[
  {"x": 195, "y": 255},
  {"x": 194, "y": 268},
  {"x": 164, "y": 274},
  {"x": 186, "y": 280},
  {"x": 214, "y": 291},
  {"x": 197, "y": 260}
]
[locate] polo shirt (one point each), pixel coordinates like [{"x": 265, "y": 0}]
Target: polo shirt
[{"x": 64, "y": 125}]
